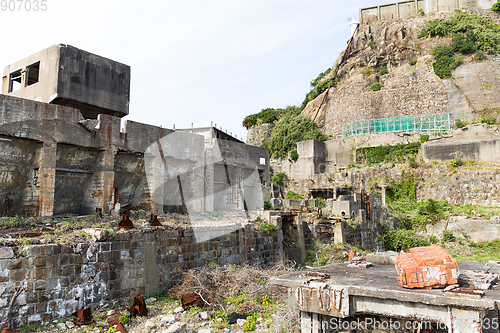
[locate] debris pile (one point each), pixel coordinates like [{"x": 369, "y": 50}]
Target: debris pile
[{"x": 426, "y": 268}]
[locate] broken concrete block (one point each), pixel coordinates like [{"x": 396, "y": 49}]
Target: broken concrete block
[
  {"x": 478, "y": 280},
  {"x": 426, "y": 267},
  {"x": 6, "y": 252},
  {"x": 382, "y": 258}
]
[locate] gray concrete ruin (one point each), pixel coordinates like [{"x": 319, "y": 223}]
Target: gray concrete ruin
[
  {"x": 54, "y": 161},
  {"x": 65, "y": 75},
  {"x": 342, "y": 297}
]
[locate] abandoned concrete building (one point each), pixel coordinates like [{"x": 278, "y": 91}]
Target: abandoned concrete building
[
  {"x": 65, "y": 150},
  {"x": 407, "y": 8}
]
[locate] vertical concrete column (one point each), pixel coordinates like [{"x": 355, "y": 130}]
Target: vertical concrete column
[
  {"x": 300, "y": 230},
  {"x": 107, "y": 179},
  {"x": 379, "y": 13},
  {"x": 47, "y": 178},
  {"x": 151, "y": 275},
  {"x": 243, "y": 247},
  {"x": 338, "y": 233},
  {"x": 157, "y": 185},
  {"x": 360, "y": 16},
  {"x": 384, "y": 188}
]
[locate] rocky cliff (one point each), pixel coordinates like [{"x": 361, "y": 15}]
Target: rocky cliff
[{"x": 409, "y": 88}]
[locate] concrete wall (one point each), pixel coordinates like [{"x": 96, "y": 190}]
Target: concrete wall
[
  {"x": 478, "y": 142},
  {"x": 59, "y": 163},
  {"x": 72, "y": 77},
  {"x": 410, "y": 8},
  {"x": 61, "y": 279}
]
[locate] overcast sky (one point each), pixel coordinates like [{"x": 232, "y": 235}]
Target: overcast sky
[{"x": 195, "y": 61}]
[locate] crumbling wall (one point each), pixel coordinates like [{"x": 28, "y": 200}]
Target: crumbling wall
[
  {"x": 79, "y": 165},
  {"x": 60, "y": 279}
]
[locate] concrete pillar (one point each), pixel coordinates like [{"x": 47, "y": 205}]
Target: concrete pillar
[
  {"x": 398, "y": 12},
  {"x": 243, "y": 247},
  {"x": 339, "y": 234},
  {"x": 151, "y": 275},
  {"x": 47, "y": 178},
  {"x": 379, "y": 13},
  {"x": 383, "y": 187},
  {"x": 300, "y": 229}
]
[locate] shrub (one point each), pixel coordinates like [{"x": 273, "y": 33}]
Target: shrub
[
  {"x": 461, "y": 123},
  {"x": 124, "y": 318},
  {"x": 445, "y": 61},
  {"x": 412, "y": 161},
  {"x": 294, "y": 155},
  {"x": 267, "y": 205},
  {"x": 456, "y": 162},
  {"x": 386, "y": 154},
  {"x": 383, "y": 70},
  {"x": 320, "y": 86},
  {"x": 402, "y": 239},
  {"x": 496, "y": 6},
  {"x": 321, "y": 203},
  {"x": 250, "y": 324},
  {"x": 269, "y": 115},
  {"x": 376, "y": 86},
  {"x": 280, "y": 179},
  {"x": 367, "y": 70},
  {"x": 291, "y": 195},
  {"x": 421, "y": 12},
  {"x": 424, "y": 138},
  {"x": 433, "y": 239},
  {"x": 448, "y": 236},
  {"x": 290, "y": 130},
  {"x": 372, "y": 44},
  {"x": 315, "y": 82},
  {"x": 479, "y": 56},
  {"x": 413, "y": 62},
  {"x": 490, "y": 120}
]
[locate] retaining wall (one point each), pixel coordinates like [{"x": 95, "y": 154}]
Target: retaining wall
[{"x": 59, "y": 279}]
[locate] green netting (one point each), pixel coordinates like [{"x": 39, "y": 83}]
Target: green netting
[{"x": 407, "y": 124}]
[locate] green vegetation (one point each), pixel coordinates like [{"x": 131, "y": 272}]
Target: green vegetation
[
  {"x": 290, "y": 130},
  {"x": 321, "y": 203},
  {"x": 376, "y": 86},
  {"x": 471, "y": 251},
  {"x": 421, "y": 12},
  {"x": 402, "y": 239},
  {"x": 294, "y": 155},
  {"x": 124, "y": 318},
  {"x": 496, "y": 6},
  {"x": 485, "y": 119},
  {"x": 291, "y": 195},
  {"x": 372, "y": 44},
  {"x": 280, "y": 179},
  {"x": 269, "y": 115},
  {"x": 459, "y": 123},
  {"x": 446, "y": 61},
  {"x": 325, "y": 253},
  {"x": 471, "y": 33},
  {"x": 318, "y": 89},
  {"x": 383, "y": 70},
  {"x": 250, "y": 324},
  {"x": 316, "y": 81},
  {"x": 387, "y": 154},
  {"x": 448, "y": 236},
  {"x": 413, "y": 62},
  {"x": 424, "y": 138},
  {"x": 456, "y": 162}
]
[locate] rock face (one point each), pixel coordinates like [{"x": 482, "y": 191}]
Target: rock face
[{"x": 408, "y": 89}]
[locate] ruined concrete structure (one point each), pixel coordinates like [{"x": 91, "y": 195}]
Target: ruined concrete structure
[
  {"x": 411, "y": 7},
  {"x": 60, "y": 279},
  {"x": 342, "y": 297},
  {"x": 54, "y": 161},
  {"x": 68, "y": 76}
]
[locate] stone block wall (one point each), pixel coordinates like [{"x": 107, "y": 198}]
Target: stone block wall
[{"x": 60, "y": 279}]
